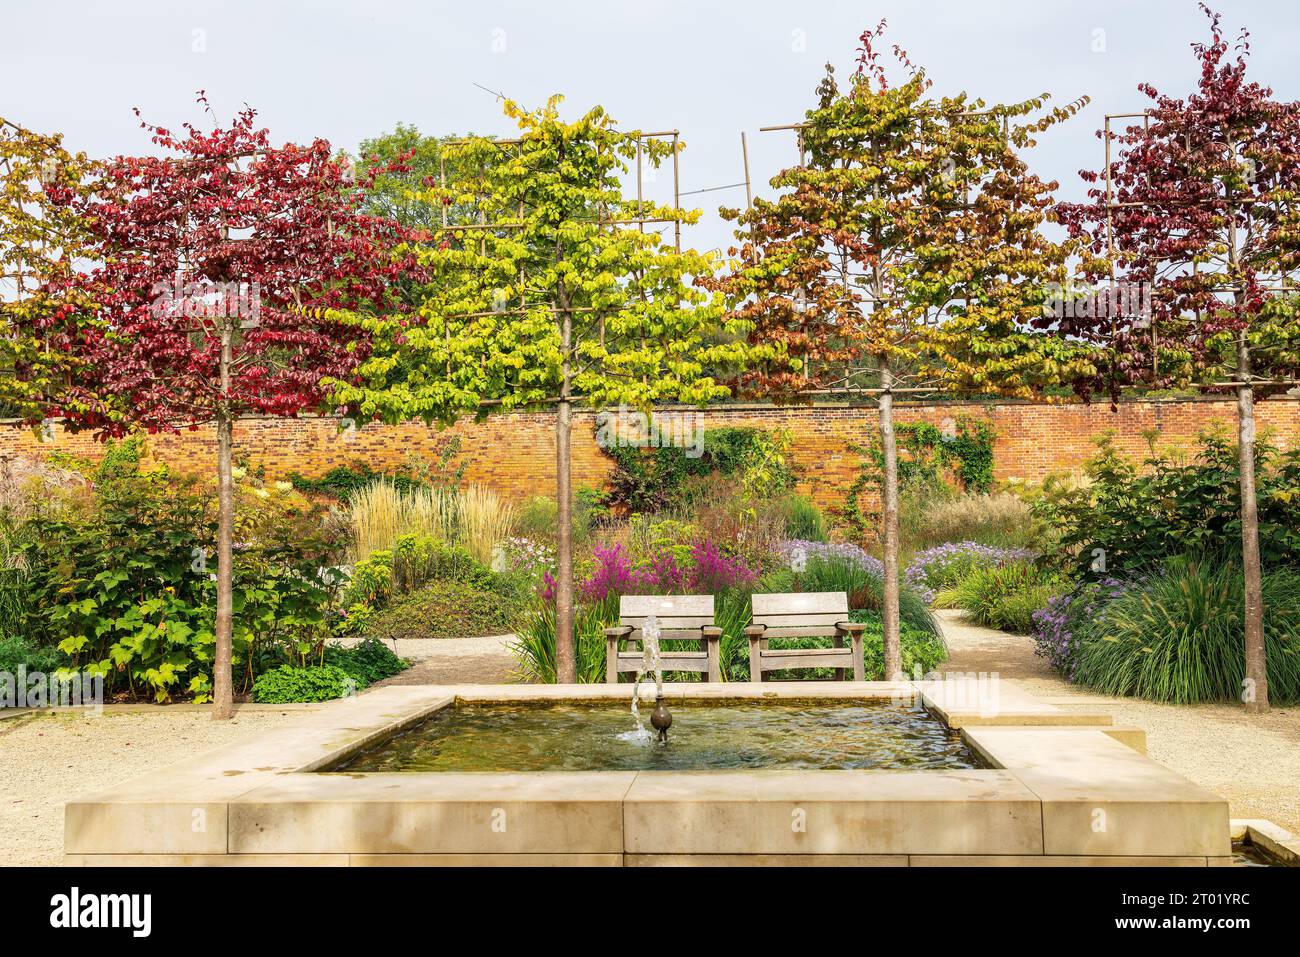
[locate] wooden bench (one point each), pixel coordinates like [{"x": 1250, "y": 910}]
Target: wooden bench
[
  {"x": 814, "y": 614},
  {"x": 681, "y": 617}
]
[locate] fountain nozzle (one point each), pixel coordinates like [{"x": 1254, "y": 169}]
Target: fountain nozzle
[{"x": 661, "y": 719}]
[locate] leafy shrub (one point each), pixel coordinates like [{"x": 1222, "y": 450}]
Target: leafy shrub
[
  {"x": 16, "y": 650},
  {"x": 288, "y": 685},
  {"x": 119, "y": 584},
  {"x": 343, "y": 480},
  {"x": 418, "y": 559},
  {"x": 655, "y": 479},
  {"x": 368, "y": 661},
  {"x": 1177, "y": 635},
  {"x": 1003, "y": 596},
  {"x": 1136, "y": 516},
  {"x": 444, "y": 609},
  {"x": 372, "y": 580}
]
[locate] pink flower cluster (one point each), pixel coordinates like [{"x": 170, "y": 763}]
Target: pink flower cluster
[{"x": 707, "y": 572}]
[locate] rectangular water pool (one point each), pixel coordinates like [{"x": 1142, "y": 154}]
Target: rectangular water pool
[{"x": 704, "y": 736}]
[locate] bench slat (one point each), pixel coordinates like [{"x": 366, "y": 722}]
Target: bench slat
[
  {"x": 813, "y": 631},
  {"x": 666, "y": 624},
  {"x": 827, "y": 658},
  {"x": 802, "y": 603},
  {"x": 642, "y": 606},
  {"x": 789, "y": 621}
]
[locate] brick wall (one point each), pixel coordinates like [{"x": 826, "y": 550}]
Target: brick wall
[{"x": 515, "y": 453}]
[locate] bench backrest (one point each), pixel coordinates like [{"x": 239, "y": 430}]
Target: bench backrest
[
  {"x": 801, "y": 614},
  {"x": 680, "y": 616}
]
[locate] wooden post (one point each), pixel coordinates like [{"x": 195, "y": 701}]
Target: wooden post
[{"x": 744, "y": 153}]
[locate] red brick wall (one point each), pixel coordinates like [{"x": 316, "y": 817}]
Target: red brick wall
[{"x": 515, "y": 453}]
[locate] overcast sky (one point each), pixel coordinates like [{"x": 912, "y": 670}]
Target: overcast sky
[{"x": 350, "y": 70}]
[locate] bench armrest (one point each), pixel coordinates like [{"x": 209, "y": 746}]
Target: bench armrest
[
  {"x": 621, "y": 631},
  {"x": 711, "y": 631},
  {"x": 852, "y": 627},
  {"x": 755, "y": 631}
]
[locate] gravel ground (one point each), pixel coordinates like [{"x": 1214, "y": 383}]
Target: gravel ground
[
  {"x": 1251, "y": 760},
  {"x": 47, "y": 759},
  {"x": 454, "y": 661}
]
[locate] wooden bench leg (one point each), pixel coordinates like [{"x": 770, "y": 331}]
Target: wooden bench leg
[
  {"x": 838, "y": 642},
  {"x": 755, "y": 660},
  {"x": 713, "y": 648},
  {"x": 611, "y": 661},
  {"x": 859, "y": 668}
]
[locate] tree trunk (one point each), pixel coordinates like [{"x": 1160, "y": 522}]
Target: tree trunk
[
  {"x": 566, "y": 667},
  {"x": 223, "y": 705},
  {"x": 1255, "y": 693},
  {"x": 223, "y": 692},
  {"x": 889, "y": 507}
]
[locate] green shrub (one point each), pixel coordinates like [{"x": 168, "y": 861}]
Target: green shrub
[
  {"x": 1177, "y": 635},
  {"x": 654, "y": 479},
  {"x": 1004, "y": 596},
  {"x": 539, "y": 516},
  {"x": 418, "y": 559},
  {"x": 372, "y": 580},
  {"x": 287, "y": 684},
  {"x": 1131, "y": 516},
  {"x": 444, "y": 609},
  {"x": 16, "y": 650},
  {"x": 368, "y": 661}
]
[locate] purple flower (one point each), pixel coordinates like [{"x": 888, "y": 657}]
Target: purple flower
[
  {"x": 797, "y": 551},
  {"x": 714, "y": 572},
  {"x": 943, "y": 565}
]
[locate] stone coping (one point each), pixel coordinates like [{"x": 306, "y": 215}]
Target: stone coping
[
  {"x": 1273, "y": 839},
  {"x": 1059, "y": 787}
]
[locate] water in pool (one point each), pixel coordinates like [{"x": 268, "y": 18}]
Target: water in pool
[{"x": 705, "y": 736}]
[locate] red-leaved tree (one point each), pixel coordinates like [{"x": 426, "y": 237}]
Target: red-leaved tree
[
  {"x": 1200, "y": 213},
  {"x": 216, "y": 264}
]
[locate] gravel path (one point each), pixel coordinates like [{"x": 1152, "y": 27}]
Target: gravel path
[
  {"x": 451, "y": 661},
  {"x": 46, "y": 759},
  {"x": 1251, "y": 760}
]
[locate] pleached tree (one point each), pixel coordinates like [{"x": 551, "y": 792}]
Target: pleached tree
[
  {"x": 41, "y": 241},
  {"x": 215, "y": 266},
  {"x": 1200, "y": 213},
  {"x": 558, "y": 293},
  {"x": 904, "y": 251}
]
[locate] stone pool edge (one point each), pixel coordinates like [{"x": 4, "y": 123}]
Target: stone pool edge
[{"x": 1061, "y": 788}]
